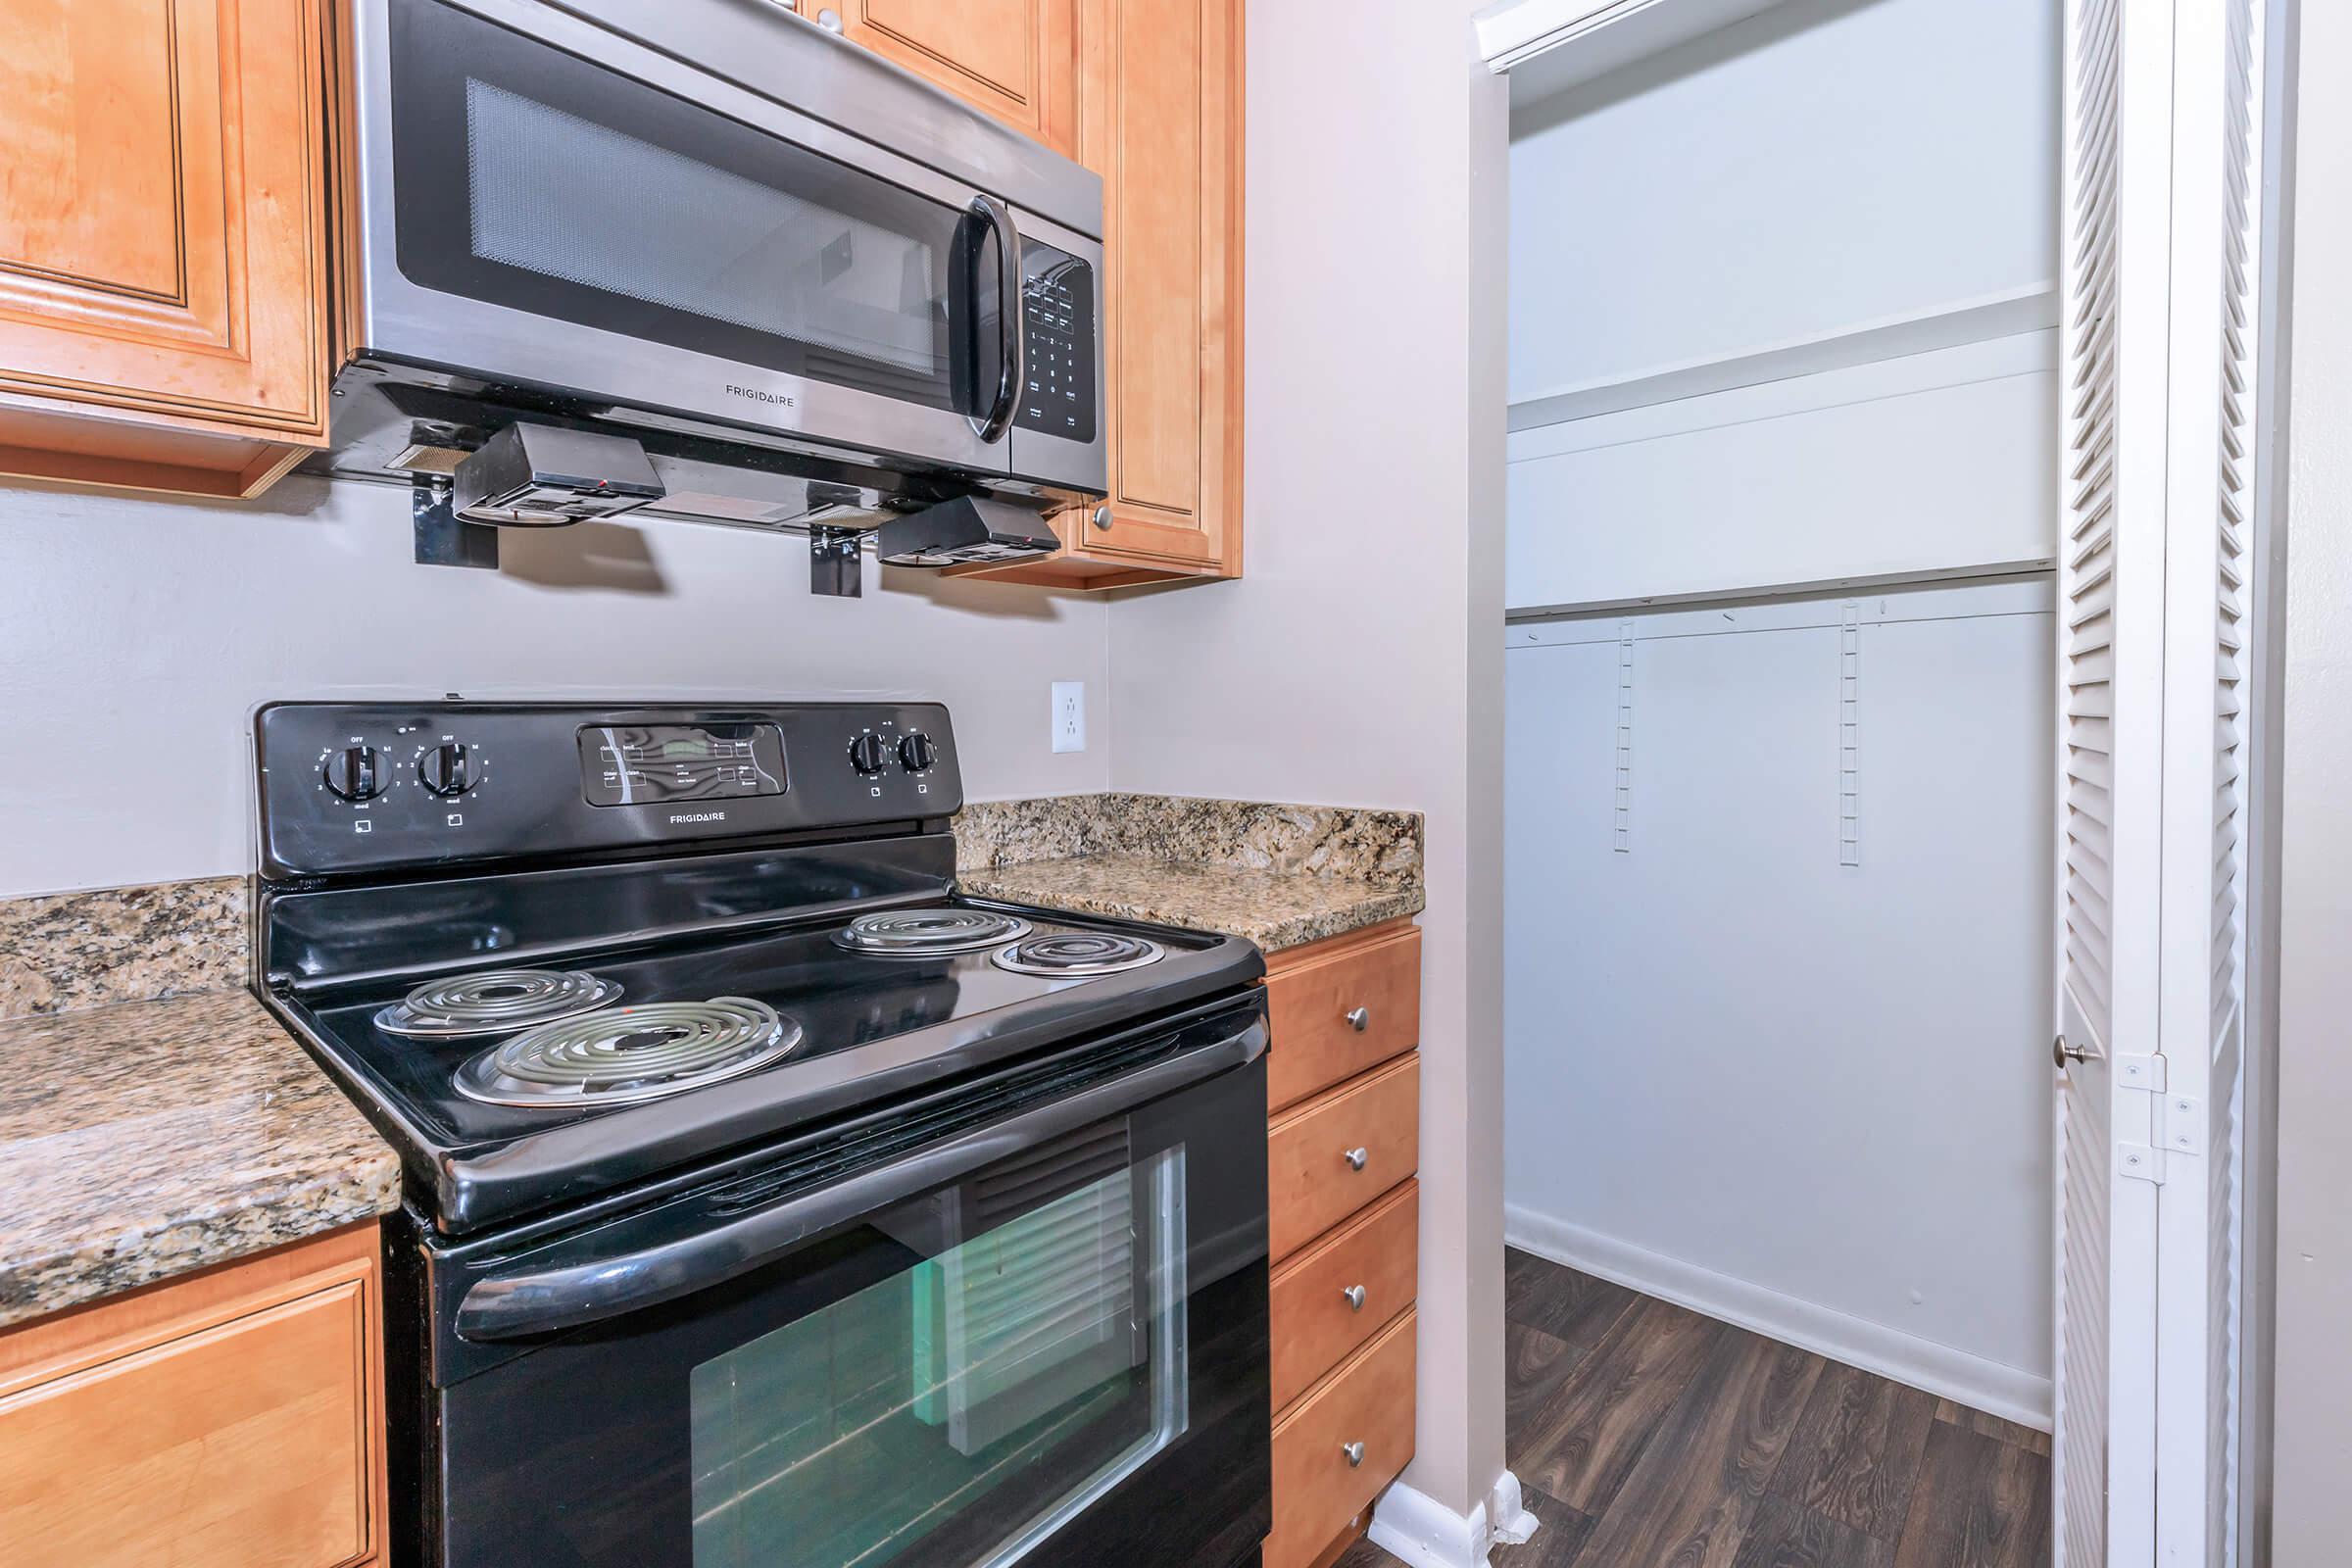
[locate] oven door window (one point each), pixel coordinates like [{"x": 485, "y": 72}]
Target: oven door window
[
  {"x": 530, "y": 178},
  {"x": 1015, "y": 1370}
]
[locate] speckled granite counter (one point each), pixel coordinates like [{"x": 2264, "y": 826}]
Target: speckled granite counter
[
  {"x": 148, "y": 1139},
  {"x": 1272, "y": 909},
  {"x": 156, "y": 1121},
  {"x": 1280, "y": 875}
]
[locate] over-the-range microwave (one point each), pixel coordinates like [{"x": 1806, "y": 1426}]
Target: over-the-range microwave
[{"x": 808, "y": 285}]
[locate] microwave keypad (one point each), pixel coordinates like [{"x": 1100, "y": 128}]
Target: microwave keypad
[{"x": 1057, "y": 315}]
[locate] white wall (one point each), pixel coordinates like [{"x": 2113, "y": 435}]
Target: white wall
[
  {"x": 1807, "y": 1096},
  {"x": 1823, "y": 165},
  {"x": 1778, "y": 309},
  {"x": 2312, "y": 1441},
  {"x": 1357, "y": 661},
  {"x": 136, "y": 635},
  {"x": 1929, "y": 465}
]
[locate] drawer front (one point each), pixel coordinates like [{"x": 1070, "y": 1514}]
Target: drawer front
[
  {"x": 1317, "y": 1489},
  {"x": 237, "y": 1447},
  {"x": 1315, "y": 1008},
  {"x": 1337, "y": 1295},
  {"x": 1331, "y": 1155}
]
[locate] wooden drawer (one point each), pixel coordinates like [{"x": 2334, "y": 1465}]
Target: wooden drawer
[
  {"x": 1315, "y": 1000},
  {"x": 1313, "y": 1182},
  {"x": 1316, "y": 1490},
  {"x": 1316, "y": 1323},
  {"x": 231, "y": 1420}
]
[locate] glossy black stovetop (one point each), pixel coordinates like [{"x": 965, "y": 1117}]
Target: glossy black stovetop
[{"x": 767, "y": 926}]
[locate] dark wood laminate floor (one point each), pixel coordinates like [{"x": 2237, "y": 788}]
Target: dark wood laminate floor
[{"x": 1650, "y": 1436}]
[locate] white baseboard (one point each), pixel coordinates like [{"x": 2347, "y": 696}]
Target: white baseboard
[
  {"x": 1940, "y": 1369},
  {"x": 1422, "y": 1532},
  {"x": 1416, "y": 1529}
]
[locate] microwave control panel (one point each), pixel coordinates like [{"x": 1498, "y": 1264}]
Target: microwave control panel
[{"x": 1058, "y": 318}]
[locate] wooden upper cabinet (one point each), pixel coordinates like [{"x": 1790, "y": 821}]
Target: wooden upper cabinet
[
  {"x": 1159, "y": 118},
  {"x": 1016, "y": 59},
  {"x": 162, "y": 241}
]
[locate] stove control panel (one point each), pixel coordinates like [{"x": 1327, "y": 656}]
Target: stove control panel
[
  {"x": 643, "y": 765},
  {"x": 349, "y": 787}
]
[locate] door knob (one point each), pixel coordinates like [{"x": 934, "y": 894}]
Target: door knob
[
  {"x": 1356, "y": 1298},
  {"x": 1359, "y": 1019},
  {"x": 1354, "y": 1452},
  {"x": 2061, "y": 1053},
  {"x": 1355, "y": 1157}
]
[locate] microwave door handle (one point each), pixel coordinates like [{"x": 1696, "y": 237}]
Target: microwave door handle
[
  {"x": 514, "y": 1305},
  {"x": 1013, "y": 349}
]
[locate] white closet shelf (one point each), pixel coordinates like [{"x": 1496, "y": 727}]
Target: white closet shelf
[{"x": 2032, "y": 308}]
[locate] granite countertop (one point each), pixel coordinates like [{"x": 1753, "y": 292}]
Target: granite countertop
[
  {"x": 1280, "y": 875},
  {"x": 1273, "y": 908},
  {"x": 147, "y": 1139}
]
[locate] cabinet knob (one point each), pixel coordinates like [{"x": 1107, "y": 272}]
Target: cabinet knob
[
  {"x": 1355, "y": 1157},
  {"x": 1359, "y": 1019},
  {"x": 829, "y": 19},
  {"x": 1101, "y": 516},
  {"x": 1356, "y": 1298},
  {"x": 1354, "y": 1452}
]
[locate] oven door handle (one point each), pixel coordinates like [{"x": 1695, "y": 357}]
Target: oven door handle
[{"x": 516, "y": 1305}]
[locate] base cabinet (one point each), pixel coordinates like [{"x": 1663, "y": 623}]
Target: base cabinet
[
  {"x": 163, "y": 264},
  {"x": 230, "y": 1420},
  {"x": 1342, "y": 1147}
]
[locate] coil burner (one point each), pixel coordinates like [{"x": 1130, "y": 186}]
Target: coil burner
[
  {"x": 1078, "y": 953},
  {"x": 495, "y": 1002},
  {"x": 624, "y": 1055},
  {"x": 926, "y": 931}
]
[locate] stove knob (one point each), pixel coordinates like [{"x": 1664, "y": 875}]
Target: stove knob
[
  {"x": 355, "y": 773},
  {"x": 447, "y": 769},
  {"x": 868, "y": 754},
  {"x": 917, "y": 752}
]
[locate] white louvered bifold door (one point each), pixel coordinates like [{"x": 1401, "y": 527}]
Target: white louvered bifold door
[
  {"x": 2162, "y": 208},
  {"x": 2110, "y": 700}
]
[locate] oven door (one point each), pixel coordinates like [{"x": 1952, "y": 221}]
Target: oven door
[
  {"x": 548, "y": 203},
  {"x": 1041, "y": 1339}
]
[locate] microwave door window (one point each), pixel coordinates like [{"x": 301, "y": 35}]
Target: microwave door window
[{"x": 538, "y": 181}]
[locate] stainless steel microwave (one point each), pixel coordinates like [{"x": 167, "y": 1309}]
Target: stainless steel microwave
[{"x": 719, "y": 229}]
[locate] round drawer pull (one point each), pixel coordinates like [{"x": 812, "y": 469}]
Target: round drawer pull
[
  {"x": 1354, "y": 1452},
  {"x": 1359, "y": 1019},
  {"x": 1356, "y": 1298},
  {"x": 1355, "y": 1157}
]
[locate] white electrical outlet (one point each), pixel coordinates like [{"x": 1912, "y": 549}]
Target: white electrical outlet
[{"x": 1069, "y": 715}]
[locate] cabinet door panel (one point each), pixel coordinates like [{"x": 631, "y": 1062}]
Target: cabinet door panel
[
  {"x": 243, "y": 1445},
  {"x": 1161, "y": 103},
  {"x": 160, "y": 247},
  {"x": 1016, "y": 59}
]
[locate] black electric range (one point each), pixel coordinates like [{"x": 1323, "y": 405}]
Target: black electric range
[{"x": 848, "y": 1218}]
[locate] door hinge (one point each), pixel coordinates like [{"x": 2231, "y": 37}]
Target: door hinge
[
  {"x": 2139, "y": 1072},
  {"x": 2140, "y": 1163},
  {"x": 2183, "y": 1125}
]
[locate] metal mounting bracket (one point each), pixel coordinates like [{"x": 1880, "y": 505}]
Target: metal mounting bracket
[
  {"x": 833, "y": 563},
  {"x": 442, "y": 537}
]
